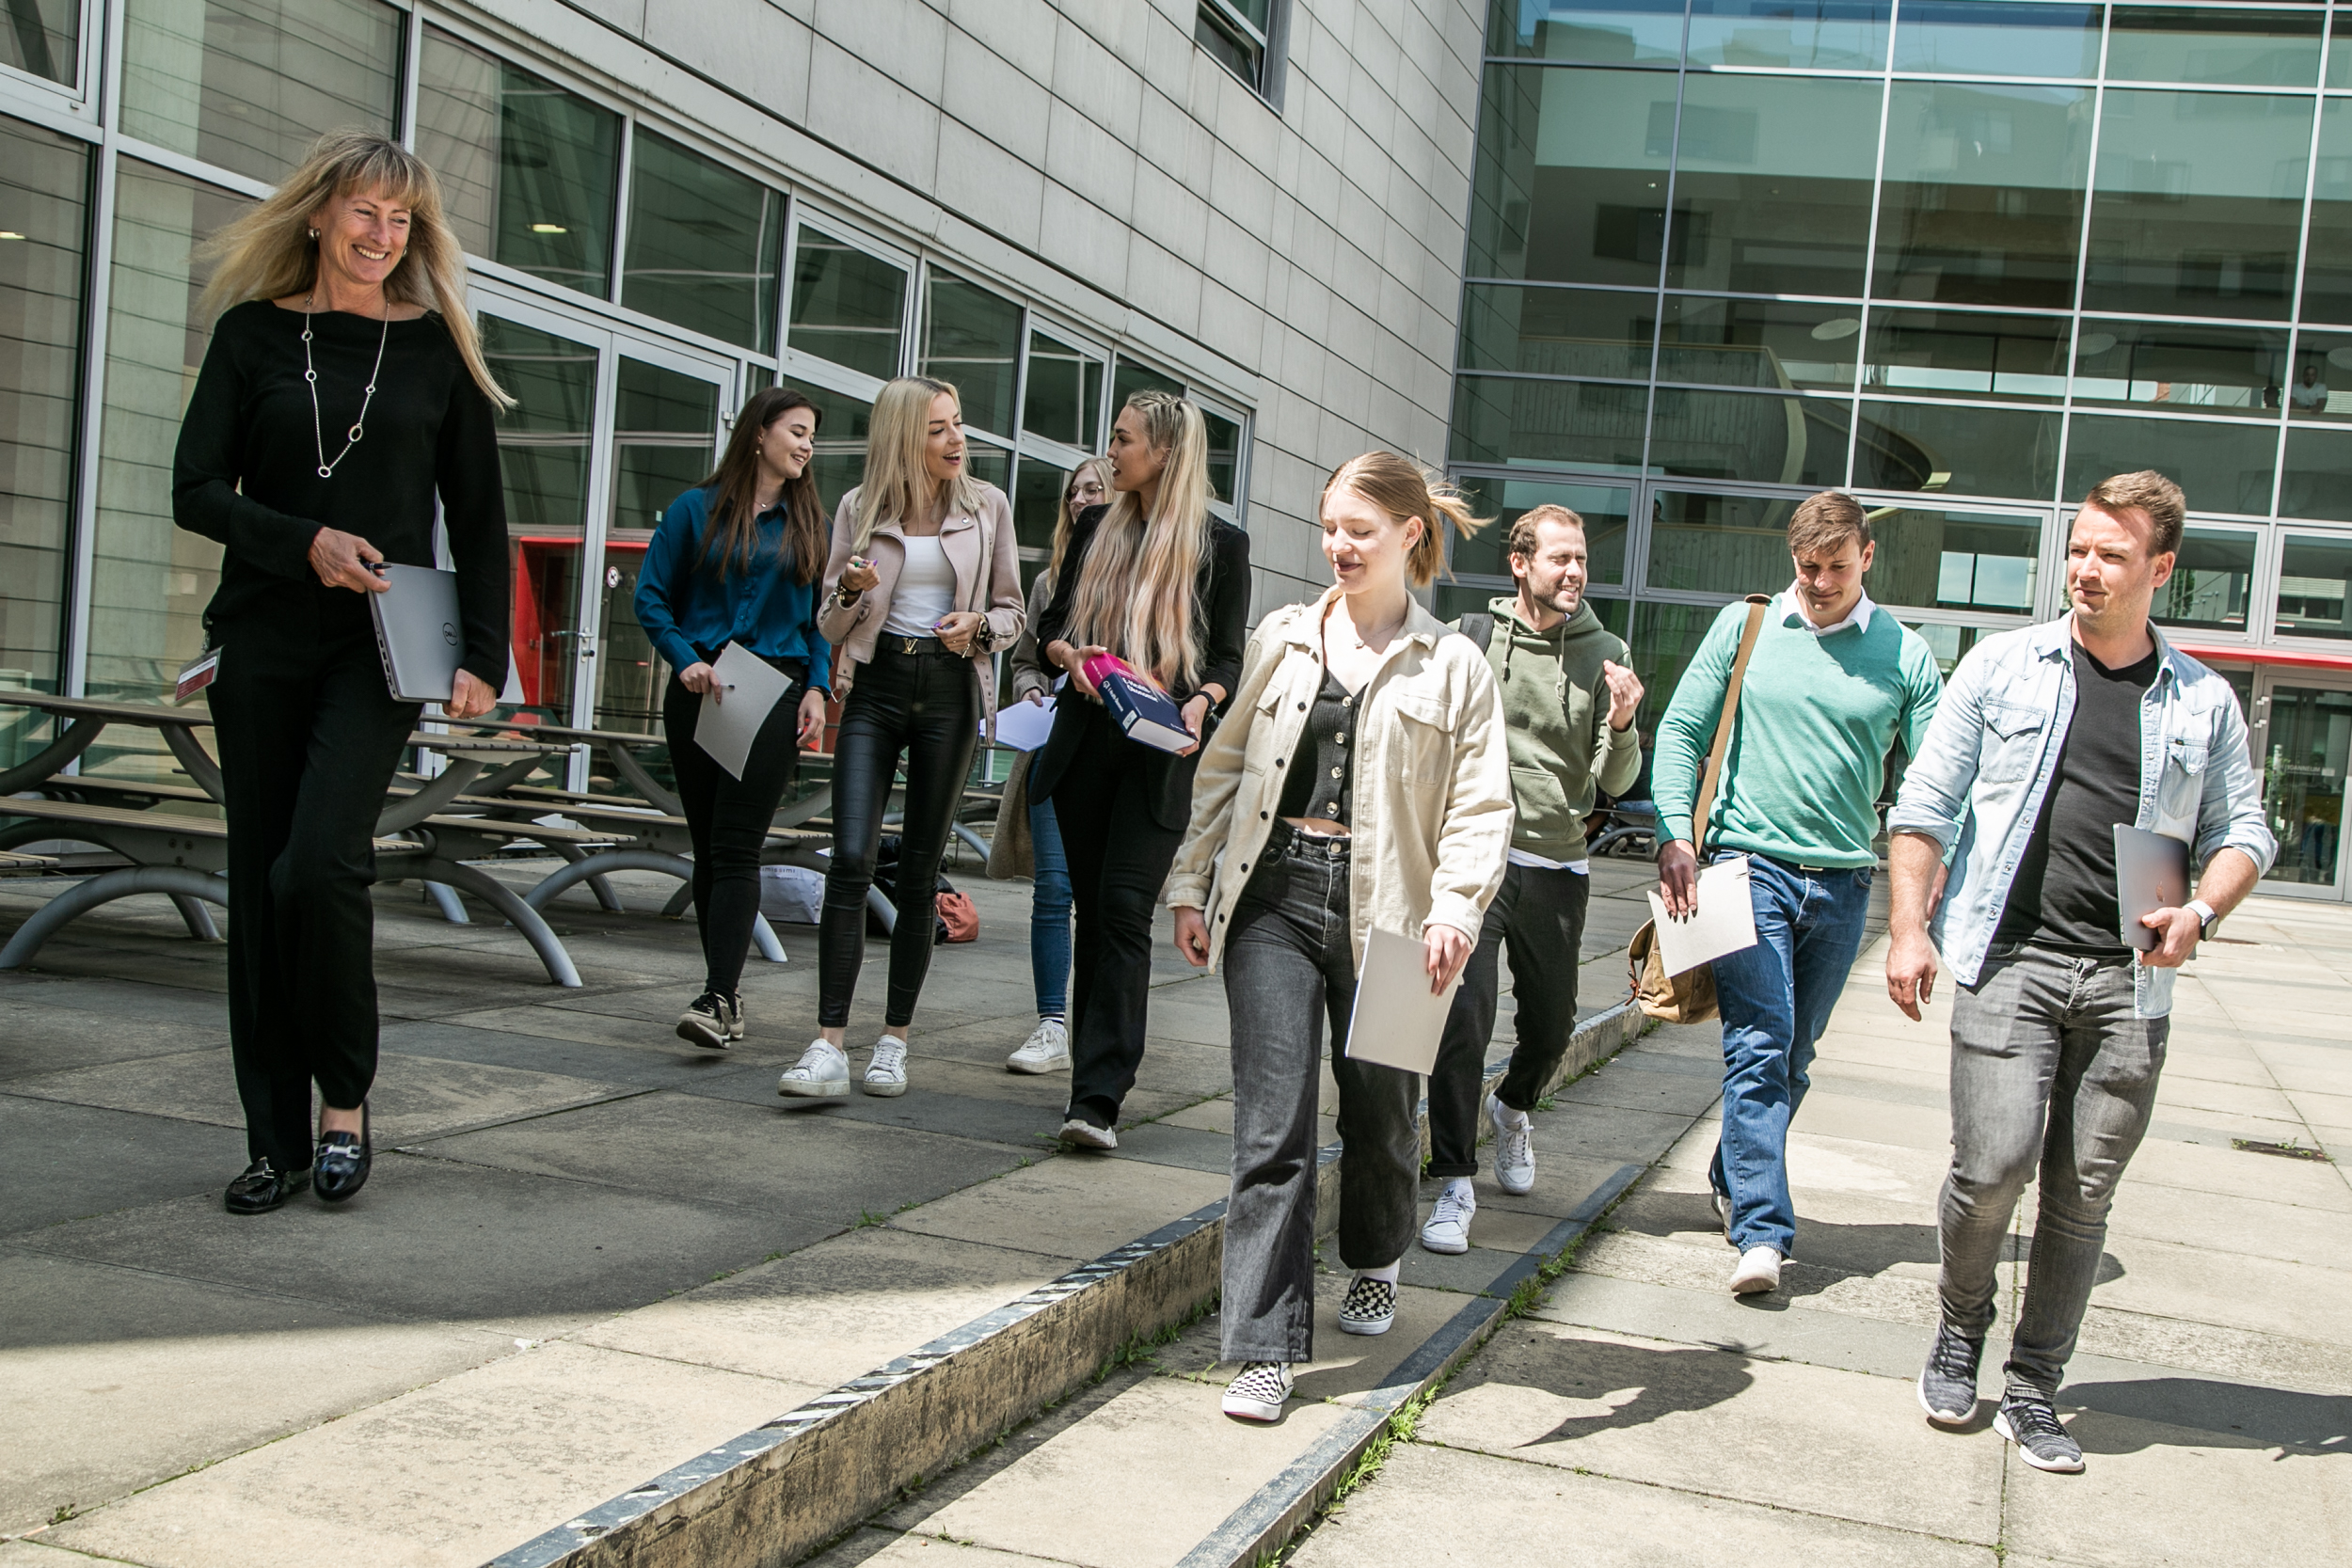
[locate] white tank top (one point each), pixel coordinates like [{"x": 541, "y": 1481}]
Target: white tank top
[{"x": 925, "y": 591}]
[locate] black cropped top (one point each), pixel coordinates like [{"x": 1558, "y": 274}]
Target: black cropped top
[{"x": 1322, "y": 777}]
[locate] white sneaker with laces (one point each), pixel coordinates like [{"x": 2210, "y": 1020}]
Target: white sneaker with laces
[
  {"x": 1047, "y": 1050},
  {"x": 1759, "y": 1271},
  {"x": 1257, "y": 1393},
  {"x": 887, "y": 1074},
  {"x": 1078, "y": 1133},
  {"x": 1515, "y": 1148},
  {"x": 822, "y": 1072},
  {"x": 1448, "y": 1229}
]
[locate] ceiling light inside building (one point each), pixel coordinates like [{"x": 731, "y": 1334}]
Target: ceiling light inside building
[
  {"x": 548, "y": 229},
  {"x": 2094, "y": 343},
  {"x": 1837, "y": 328},
  {"x": 9, "y": 234}
]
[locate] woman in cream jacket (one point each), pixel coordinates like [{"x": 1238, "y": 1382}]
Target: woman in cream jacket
[{"x": 1294, "y": 853}]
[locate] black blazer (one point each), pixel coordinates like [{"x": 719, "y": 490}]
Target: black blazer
[{"x": 1220, "y": 627}]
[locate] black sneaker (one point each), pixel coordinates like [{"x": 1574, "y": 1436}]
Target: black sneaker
[
  {"x": 1369, "y": 1308},
  {"x": 2031, "y": 1422},
  {"x": 263, "y": 1187},
  {"x": 1947, "y": 1385},
  {"x": 712, "y": 1023}
]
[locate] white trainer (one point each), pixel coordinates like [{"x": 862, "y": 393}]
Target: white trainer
[
  {"x": 1078, "y": 1133},
  {"x": 1259, "y": 1392},
  {"x": 1722, "y": 1213},
  {"x": 1047, "y": 1050},
  {"x": 1515, "y": 1146},
  {"x": 887, "y": 1074},
  {"x": 1758, "y": 1272},
  {"x": 1448, "y": 1229},
  {"x": 822, "y": 1072}
]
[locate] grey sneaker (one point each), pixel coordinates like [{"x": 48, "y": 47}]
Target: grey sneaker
[
  {"x": 1368, "y": 1307},
  {"x": 1047, "y": 1050},
  {"x": 2031, "y": 1422},
  {"x": 712, "y": 1022},
  {"x": 821, "y": 1074},
  {"x": 887, "y": 1074},
  {"x": 1259, "y": 1392},
  {"x": 1448, "y": 1229},
  {"x": 1948, "y": 1384},
  {"x": 1515, "y": 1148}
]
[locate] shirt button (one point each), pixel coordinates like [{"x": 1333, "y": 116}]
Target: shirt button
[
  {"x": 1339, "y": 773},
  {"x": 1339, "y": 740},
  {"x": 1302, "y": 707}
]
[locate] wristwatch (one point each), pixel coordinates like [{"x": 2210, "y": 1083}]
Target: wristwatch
[{"x": 2206, "y": 919}]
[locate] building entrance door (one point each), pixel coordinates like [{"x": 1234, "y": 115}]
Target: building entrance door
[{"x": 2302, "y": 733}]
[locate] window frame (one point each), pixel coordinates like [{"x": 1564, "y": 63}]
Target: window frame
[
  {"x": 80, "y": 101},
  {"x": 1271, "y": 46},
  {"x": 800, "y": 362}
]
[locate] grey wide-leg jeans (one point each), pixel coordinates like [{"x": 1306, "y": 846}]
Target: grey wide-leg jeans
[
  {"x": 1289, "y": 966},
  {"x": 2049, "y": 1069}
]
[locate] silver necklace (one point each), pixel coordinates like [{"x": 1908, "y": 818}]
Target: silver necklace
[{"x": 311, "y": 375}]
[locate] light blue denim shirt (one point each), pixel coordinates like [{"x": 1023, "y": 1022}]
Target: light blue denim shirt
[{"x": 1977, "y": 785}]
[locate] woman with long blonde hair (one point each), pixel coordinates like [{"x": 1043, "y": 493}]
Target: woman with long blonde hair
[
  {"x": 1364, "y": 781},
  {"x": 915, "y": 624},
  {"x": 342, "y": 399},
  {"x": 1047, "y": 1049},
  {"x": 1159, "y": 582}
]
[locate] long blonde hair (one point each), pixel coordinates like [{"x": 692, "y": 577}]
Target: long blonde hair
[
  {"x": 1403, "y": 489},
  {"x": 1135, "y": 586},
  {"x": 269, "y": 253},
  {"x": 899, "y": 485},
  {"x": 1065, "y": 517}
]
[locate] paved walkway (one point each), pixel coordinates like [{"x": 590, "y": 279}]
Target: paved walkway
[{"x": 1642, "y": 1416}]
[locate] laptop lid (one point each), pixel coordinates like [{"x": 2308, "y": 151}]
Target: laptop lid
[{"x": 418, "y": 632}]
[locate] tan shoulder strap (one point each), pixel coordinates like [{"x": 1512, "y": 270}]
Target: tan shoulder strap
[{"x": 1715, "y": 753}]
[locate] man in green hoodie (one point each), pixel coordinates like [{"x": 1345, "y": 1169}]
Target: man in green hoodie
[{"x": 1568, "y": 701}]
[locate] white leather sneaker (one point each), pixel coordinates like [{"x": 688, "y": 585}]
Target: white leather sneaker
[
  {"x": 1515, "y": 1148},
  {"x": 1759, "y": 1271},
  {"x": 887, "y": 1074},
  {"x": 1448, "y": 1229},
  {"x": 822, "y": 1072},
  {"x": 1047, "y": 1050}
]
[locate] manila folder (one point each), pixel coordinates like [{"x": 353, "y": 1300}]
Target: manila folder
[{"x": 1397, "y": 1022}]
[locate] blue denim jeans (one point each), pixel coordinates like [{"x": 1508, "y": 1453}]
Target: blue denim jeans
[
  {"x": 1049, "y": 915},
  {"x": 1775, "y": 999}
]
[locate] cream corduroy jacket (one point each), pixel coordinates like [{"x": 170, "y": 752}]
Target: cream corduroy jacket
[{"x": 1432, "y": 806}]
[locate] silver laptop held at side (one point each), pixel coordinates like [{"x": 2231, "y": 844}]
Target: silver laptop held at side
[
  {"x": 418, "y": 633},
  {"x": 2151, "y": 874}
]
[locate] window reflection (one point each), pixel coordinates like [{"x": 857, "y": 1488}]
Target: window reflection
[
  {"x": 1966, "y": 354},
  {"x": 1606, "y": 509},
  {"x": 2174, "y": 365},
  {"x": 544, "y": 443},
  {"x": 1753, "y": 343},
  {"x": 2315, "y": 585},
  {"x": 1955, "y": 560},
  {"x": 1587, "y": 423},
  {"x": 1718, "y": 544},
  {"x": 2318, "y": 478},
  {"x": 843, "y": 423},
  {"x": 2327, "y": 262},
  {"x": 1613, "y": 32},
  {"x": 1224, "y": 456},
  {"x": 1772, "y": 179},
  {"x": 1063, "y": 398},
  {"x": 1984, "y": 188},
  {"x": 1666, "y": 636},
  {"x": 972, "y": 338},
  {"x": 1819, "y": 35},
  {"x": 847, "y": 307},
  {"x": 1037, "y": 493},
  {"x": 1129, "y": 378},
  {"x": 2213, "y": 579},
  {"x": 2214, "y": 43},
  {"x": 703, "y": 244},
  {"x": 1949, "y": 447},
  {"x": 528, "y": 171},
  {"x": 44, "y": 37},
  {"x": 1987, "y": 38},
  {"x": 2197, "y": 208},
  {"x": 1570, "y": 184},
  {"x": 1551, "y": 332},
  {"x": 2223, "y": 467},
  {"x": 1947, "y": 642},
  {"x": 248, "y": 85},
  {"x": 663, "y": 429}
]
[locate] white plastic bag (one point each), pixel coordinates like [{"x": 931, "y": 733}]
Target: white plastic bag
[{"x": 792, "y": 894}]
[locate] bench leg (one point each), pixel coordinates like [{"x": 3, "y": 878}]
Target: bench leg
[
  {"x": 606, "y": 899},
  {"x": 680, "y": 901},
  {"x": 502, "y": 898},
  {"x": 452, "y": 906},
  {"x": 764, "y": 938},
  {"x": 589, "y": 867},
  {"x": 197, "y": 919},
  {"x": 179, "y": 882}
]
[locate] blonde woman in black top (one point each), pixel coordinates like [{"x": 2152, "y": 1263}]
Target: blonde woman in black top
[{"x": 343, "y": 397}]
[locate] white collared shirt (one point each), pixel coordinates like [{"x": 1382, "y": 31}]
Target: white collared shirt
[{"x": 1793, "y": 602}]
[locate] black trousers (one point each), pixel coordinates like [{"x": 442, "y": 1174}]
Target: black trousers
[
  {"x": 727, "y": 819},
  {"x": 1539, "y": 915},
  {"x": 309, "y": 737},
  {"x": 1119, "y": 858},
  {"x": 926, "y": 707}
]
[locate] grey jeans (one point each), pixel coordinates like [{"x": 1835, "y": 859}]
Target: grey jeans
[
  {"x": 2049, "y": 1069},
  {"x": 1289, "y": 964}
]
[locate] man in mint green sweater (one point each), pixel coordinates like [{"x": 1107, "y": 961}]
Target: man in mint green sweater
[
  {"x": 1568, "y": 701},
  {"x": 1831, "y": 685}
]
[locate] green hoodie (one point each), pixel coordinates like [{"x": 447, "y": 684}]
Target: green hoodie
[{"x": 1555, "y": 707}]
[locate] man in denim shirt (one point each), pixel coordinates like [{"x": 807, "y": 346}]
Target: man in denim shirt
[{"x": 2047, "y": 739}]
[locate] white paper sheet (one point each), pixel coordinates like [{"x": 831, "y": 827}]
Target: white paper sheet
[
  {"x": 1397, "y": 1021},
  {"x": 1725, "y": 921},
  {"x": 731, "y": 717},
  {"x": 1023, "y": 725}
]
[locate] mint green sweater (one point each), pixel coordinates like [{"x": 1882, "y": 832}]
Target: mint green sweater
[{"x": 1817, "y": 715}]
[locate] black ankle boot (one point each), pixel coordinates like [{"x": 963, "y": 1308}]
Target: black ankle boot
[{"x": 344, "y": 1161}]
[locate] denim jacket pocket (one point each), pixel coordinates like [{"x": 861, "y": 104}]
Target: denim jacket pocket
[
  {"x": 2182, "y": 789},
  {"x": 2012, "y": 742}
]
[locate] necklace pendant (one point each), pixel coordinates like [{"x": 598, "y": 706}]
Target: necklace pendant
[
  {"x": 354, "y": 433},
  {"x": 327, "y": 470}
]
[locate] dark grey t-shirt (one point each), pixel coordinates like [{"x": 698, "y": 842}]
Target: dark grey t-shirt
[{"x": 2064, "y": 896}]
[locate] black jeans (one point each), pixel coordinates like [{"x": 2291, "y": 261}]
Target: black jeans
[
  {"x": 309, "y": 737},
  {"x": 728, "y": 819},
  {"x": 1119, "y": 858},
  {"x": 1290, "y": 967},
  {"x": 926, "y": 706},
  {"x": 1539, "y": 916}
]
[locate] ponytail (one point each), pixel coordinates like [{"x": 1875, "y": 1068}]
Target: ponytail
[{"x": 1403, "y": 489}]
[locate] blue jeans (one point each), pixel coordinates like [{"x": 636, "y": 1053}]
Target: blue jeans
[
  {"x": 1049, "y": 915},
  {"x": 1775, "y": 999}
]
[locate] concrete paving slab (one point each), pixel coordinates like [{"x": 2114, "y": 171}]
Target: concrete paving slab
[
  {"x": 874, "y": 1548},
  {"x": 2174, "y": 1279},
  {"x": 61, "y": 1162},
  {"x": 1562, "y": 1181},
  {"x": 1068, "y": 1206},
  {"x": 831, "y": 1311},
  {"x": 1468, "y": 1510},
  {"x": 1707, "y": 1267},
  {"x": 1653, "y": 1411},
  {"x": 2204, "y": 1167},
  {"x": 548, "y": 1433},
  {"x": 1346, "y": 1366},
  {"x": 46, "y": 1028},
  {"x": 1209, "y": 1115},
  {"x": 1161, "y": 1144},
  {"x": 30, "y": 1554},
  {"x": 1026, "y": 1127}
]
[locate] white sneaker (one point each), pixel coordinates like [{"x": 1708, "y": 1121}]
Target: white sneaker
[
  {"x": 1047, "y": 1050},
  {"x": 1759, "y": 1271},
  {"x": 1078, "y": 1133},
  {"x": 1448, "y": 1229},
  {"x": 1515, "y": 1148},
  {"x": 822, "y": 1072},
  {"x": 887, "y": 1074},
  {"x": 1722, "y": 1213},
  {"x": 1258, "y": 1394}
]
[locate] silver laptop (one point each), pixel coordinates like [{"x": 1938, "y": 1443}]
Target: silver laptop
[
  {"x": 418, "y": 633},
  {"x": 2151, "y": 874}
]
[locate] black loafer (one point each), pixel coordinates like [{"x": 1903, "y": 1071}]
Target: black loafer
[
  {"x": 341, "y": 1165},
  {"x": 263, "y": 1187}
]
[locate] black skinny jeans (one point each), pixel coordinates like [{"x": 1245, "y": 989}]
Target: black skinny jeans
[
  {"x": 728, "y": 819},
  {"x": 1119, "y": 858},
  {"x": 1538, "y": 914},
  {"x": 309, "y": 739},
  {"x": 927, "y": 705}
]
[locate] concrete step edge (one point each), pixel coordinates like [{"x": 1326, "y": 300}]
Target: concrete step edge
[{"x": 777, "y": 1493}]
